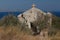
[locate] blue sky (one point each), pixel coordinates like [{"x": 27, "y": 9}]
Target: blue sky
[{"x": 22, "y": 5}]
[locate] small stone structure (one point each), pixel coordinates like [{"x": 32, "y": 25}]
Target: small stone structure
[{"x": 33, "y": 15}]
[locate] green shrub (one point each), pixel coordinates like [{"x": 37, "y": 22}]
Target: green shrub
[
  {"x": 56, "y": 22},
  {"x": 9, "y": 20}
]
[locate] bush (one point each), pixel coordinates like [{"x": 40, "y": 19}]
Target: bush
[
  {"x": 9, "y": 20},
  {"x": 56, "y": 22}
]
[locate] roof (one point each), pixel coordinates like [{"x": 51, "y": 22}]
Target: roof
[
  {"x": 34, "y": 9},
  {"x": 32, "y": 14}
]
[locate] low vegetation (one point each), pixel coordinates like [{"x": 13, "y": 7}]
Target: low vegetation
[{"x": 12, "y": 29}]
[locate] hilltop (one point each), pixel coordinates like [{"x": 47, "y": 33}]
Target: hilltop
[
  {"x": 33, "y": 24},
  {"x": 13, "y": 32}
]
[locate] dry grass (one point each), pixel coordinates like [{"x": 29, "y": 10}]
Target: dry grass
[
  {"x": 14, "y": 33},
  {"x": 57, "y": 36}
]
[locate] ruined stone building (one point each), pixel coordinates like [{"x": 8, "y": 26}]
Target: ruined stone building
[{"x": 34, "y": 14}]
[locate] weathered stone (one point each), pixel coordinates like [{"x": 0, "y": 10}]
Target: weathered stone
[{"x": 33, "y": 15}]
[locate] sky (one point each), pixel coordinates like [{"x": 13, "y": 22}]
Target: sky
[{"x": 23, "y": 5}]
